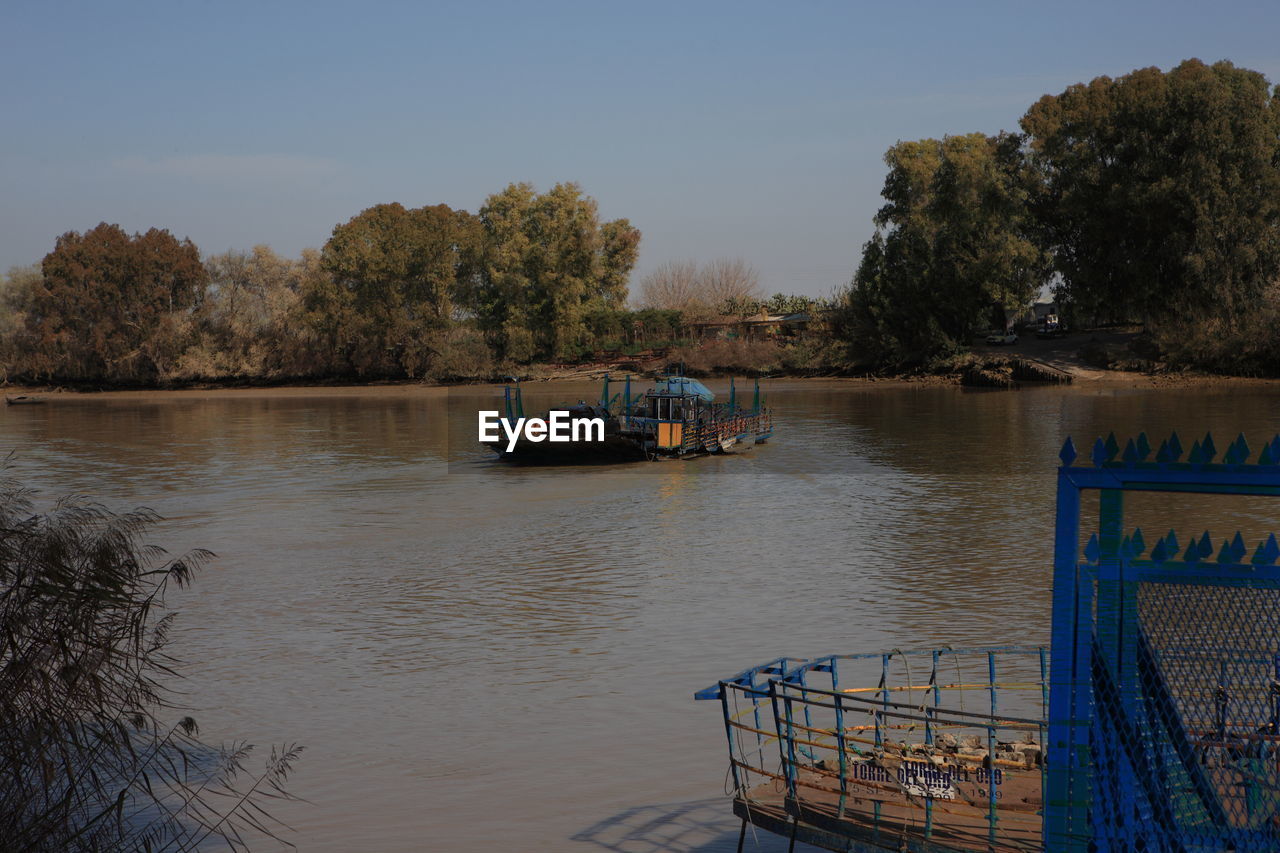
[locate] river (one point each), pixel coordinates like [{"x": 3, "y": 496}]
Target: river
[{"x": 483, "y": 657}]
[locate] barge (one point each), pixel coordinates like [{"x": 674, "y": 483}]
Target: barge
[{"x": 678, "y": 417}]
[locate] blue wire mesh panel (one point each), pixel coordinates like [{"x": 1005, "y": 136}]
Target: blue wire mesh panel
[
  {"x": 1165, "y": 705},
  {"x": 927, "y": 750}
]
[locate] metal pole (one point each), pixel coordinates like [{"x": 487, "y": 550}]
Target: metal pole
[{"x": 1067, "y": 788}]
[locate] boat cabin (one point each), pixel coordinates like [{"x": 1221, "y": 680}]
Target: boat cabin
[
  {"x": 674, "y": 403},
  {"x": 673, "y": 412}
]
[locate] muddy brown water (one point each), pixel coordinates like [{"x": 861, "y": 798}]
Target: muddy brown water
[{"x": 481, "y": 657}]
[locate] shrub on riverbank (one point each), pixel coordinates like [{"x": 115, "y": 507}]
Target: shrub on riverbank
[
  {"x": 1242, "y": 345},
  {"x": 751, "y": 358},
  {"x": 87, "y": 762}
]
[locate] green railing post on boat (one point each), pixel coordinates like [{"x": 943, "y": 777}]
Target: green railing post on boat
[
  {"x": 755, "y": 399},
  {"x": 604, "y": 394},
  {"x": 787, "y": 742},
  {"x": 506, "y": 394},
  {"x": 733, "y": 394},
  {"x": 881, "y": 718},
  {"x": 840, "y": 744},
  {"x": 728, "y": 730},
  {"x": 928, "y": 734},
  {"x": 992, "y": 792}
]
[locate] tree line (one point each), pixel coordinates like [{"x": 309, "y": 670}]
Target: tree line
[
  {"x": 1152, "y": 198},
  {"x": 395, "y": 292}
]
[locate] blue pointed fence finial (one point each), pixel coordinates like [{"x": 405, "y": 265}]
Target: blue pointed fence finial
[
  {"x": 1113, "y": 446},
  {"x": 1158, "y": 553},
  {"x": 1207, "y": 447},
  {"x": 1144, "y": 447},
  {"x": 1099, "y": 454},
  {"x": 1225, "y": 553},
  {"x": 1164, "y": 454},
  {"x": 1270, "y": 550},
  {"x": 1265, "y": 457},
  {"x": 1068, "y": 453},
  {"x": 1130, "y": 455},
  {"x": 1175, "y": 447},
  {"x": 1266, "y": 552},
  {"x": 1237, "y": 548},
  {"x": 1139, "y": 543},
  {"x": 1238, "y": 453},
  {"x": 1192, "y": 554},
  {"x": 1196, "y": 456},
  {"x": 1093, "y": 549},
  {"x": 1206, "y": 545},
  {"x": 1171, "y": 541}
]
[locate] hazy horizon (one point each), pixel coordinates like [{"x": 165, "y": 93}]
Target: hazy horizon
[{"x": 725, "y": 130}]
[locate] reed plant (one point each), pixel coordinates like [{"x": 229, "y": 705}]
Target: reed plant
[{"x": 95, "y": 755}]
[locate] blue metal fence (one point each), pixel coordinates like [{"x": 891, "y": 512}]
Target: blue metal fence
[{"x": 1164, "y": 729}]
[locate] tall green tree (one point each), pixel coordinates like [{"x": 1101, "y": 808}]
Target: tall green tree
[
  {"x": 1161, "y": 190},
  {"x": 399, "y": 275},
  {"x": 111, "y": 306},
  {"x": 548, "y": 262},
  {"x": 954, "y": 248}
]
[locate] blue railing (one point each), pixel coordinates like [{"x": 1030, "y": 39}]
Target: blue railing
[{"x": 887, "y": 748}]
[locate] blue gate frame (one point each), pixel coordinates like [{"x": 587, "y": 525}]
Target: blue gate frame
[{"x": 1164, "y": 710}]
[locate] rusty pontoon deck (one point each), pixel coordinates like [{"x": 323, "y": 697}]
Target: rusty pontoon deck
[{"x": 935, "y": 750}]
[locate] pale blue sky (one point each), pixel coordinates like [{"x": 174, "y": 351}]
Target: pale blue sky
[{"x": 742, "y": 129}]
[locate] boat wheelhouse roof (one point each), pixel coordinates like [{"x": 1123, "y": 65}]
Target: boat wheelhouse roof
[{"x": 682, "y": 386}]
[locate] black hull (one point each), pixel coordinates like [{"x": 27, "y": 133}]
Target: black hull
[{"x": 612, "y": 450}]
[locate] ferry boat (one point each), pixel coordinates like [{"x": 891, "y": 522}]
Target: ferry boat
[{"x": 678, "y": 417}]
